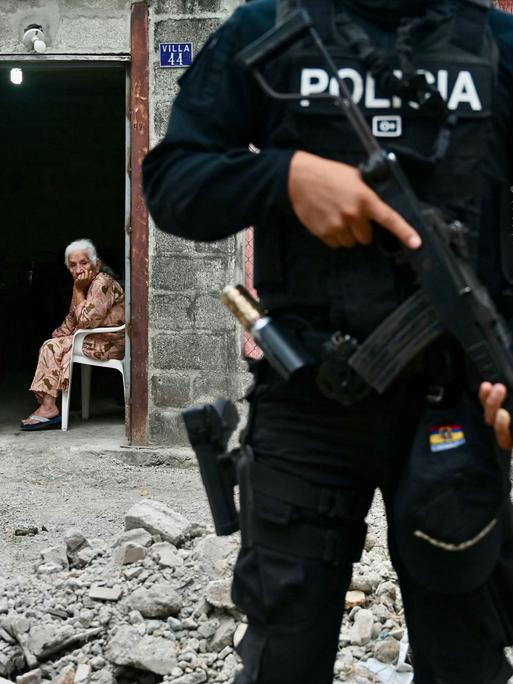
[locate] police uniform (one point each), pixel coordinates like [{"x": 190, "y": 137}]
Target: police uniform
[{"x": 311, "y": 466}]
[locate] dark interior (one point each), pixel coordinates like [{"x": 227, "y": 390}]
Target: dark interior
[{"x": 62, "y": 177}]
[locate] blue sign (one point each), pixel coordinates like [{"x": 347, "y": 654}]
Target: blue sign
[{"x": 175, "y": 55}]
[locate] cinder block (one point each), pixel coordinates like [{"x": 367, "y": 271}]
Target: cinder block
[
  {"x": 184, "y": 31},
  {"x": 95, "y": 7},
  {"x": 189, "y": 351},
  {"x": 165, "y": 244},
  {"x": 171, "y": 389},
  {"x": 211, "y": 314},
  {"x": 172, "y": 311},
  {"x": 165, "y": 84},
  {"x": 227, "y": 246},
  {"x": 178, "y": 274},
  {"x": 161, "y": 118},
  {"x": 197, "y": 6},
  {"x": 208, "y": 387},
  {"x": 167, "y": 428},
  {"x": 79, "y": 33}
]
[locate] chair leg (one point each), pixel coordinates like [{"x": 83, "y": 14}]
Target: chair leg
[
  {"x": 86, "y": 390},
  {"x": 124, "y": 385},
  {"x": 65, "y": 401},
  {"x": 65, "y": 409}
]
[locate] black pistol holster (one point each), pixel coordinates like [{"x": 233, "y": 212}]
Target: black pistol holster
[
  {"x": 278, "y": 510},
  {"x": 209, "y": 428}
]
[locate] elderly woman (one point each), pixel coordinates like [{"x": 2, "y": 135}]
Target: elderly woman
[{"x": 97, "y": 301}]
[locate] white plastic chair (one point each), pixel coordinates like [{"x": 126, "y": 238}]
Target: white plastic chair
[{"x": 78, "y": 357}]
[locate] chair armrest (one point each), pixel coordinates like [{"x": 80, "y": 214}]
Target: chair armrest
[{"x": 80, "y": 335}]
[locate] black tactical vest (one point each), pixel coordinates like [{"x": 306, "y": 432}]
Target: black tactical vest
[{"x": 361, "y": 286}]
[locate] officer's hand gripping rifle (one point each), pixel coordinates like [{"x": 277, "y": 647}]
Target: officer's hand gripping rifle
[{"x": 451, "y": 296}]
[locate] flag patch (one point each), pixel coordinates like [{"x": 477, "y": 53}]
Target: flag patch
[{"x": 443, "y": 437}]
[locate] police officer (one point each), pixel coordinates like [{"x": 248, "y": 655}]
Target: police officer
[{"x": 311, "y": 465}]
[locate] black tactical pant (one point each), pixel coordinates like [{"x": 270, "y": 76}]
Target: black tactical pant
[{"x": 295, "y": 602}]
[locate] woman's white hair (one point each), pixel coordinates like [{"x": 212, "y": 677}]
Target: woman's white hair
[{"x": 81, "y": 246}]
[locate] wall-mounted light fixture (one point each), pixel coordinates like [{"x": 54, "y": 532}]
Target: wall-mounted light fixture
[
  {"x": 16, "y": 76},
  {"x": 34, "y": 38}
]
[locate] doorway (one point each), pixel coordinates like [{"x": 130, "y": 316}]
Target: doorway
[{"x": 63, "y": 177}]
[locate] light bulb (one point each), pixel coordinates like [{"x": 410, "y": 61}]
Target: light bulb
[
  {"x": 39, "y": 45},
  {"x": 16, "y": 76}
]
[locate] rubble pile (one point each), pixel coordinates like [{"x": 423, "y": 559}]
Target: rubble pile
[{"x": 153, "y": 605}]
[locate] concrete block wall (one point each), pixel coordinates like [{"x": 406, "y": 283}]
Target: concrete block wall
[
  {"x": 70, "y": 26},
  {"x": 195, "y": 345}
]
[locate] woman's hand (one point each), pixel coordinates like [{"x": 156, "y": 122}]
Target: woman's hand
[
  {"x": 81, "y": 285},
  {"x": 337, "y": 206},
  {"x": 83, "y": 280},
  {"x": 492, "y": 397}
]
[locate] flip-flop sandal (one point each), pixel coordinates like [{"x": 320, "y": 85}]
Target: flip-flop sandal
[{"x": 42, "y": 423}]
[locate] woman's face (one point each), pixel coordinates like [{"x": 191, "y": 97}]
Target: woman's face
[{"x": 79, "y": 262}]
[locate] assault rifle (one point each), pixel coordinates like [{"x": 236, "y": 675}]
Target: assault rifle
[{"x": 450, "y": 296}]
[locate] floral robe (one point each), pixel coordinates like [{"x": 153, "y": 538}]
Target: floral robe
[{"x": 104, "y": 306}]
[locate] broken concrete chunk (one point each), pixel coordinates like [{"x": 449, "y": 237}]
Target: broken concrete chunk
[
  {"x": 47, "y": 637},
  {"x": 153, "y": 654},
  {"x": 103, "y": 677},
  {"x": 167, "y": 554},
  {"x": 57, "y": 555},
  {"x": 354, "y": 598},
  {"x": 32, "y": 677},
  {"x": 223, "y": 636},
  {"x": 99, "y": 593},
  {"x": 193, "y": 678},
  {"x": 160, "y": 600},
  {"x": 218, "y": 594},
  {"x": 157, "y": 518},
  {"x": 239, "y": 633},
  {"x": 74, "y": 539},
  {"x": 9, "y": 661},
  {"x": 82, "y": 674},
  {"x": 5, "y": 636},
  {"x": 133, "y": 572},
  {"x": 361, "y": 632},
  {"x": 88, "y": 552},
  {"x": 137, "y": 535},
  {"x": 49, "y": 568},
  {"x": 128, "y": 552},
  {"x": 215, "y": 554},
  {"x": 67, "y": 676},
  {"x": 387, "y": 650}
]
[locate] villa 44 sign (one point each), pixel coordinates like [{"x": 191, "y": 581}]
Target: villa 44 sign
[{"x": 175, "y": 55}]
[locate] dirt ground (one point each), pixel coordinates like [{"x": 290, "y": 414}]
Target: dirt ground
[{"x": 86, "y": 477}]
